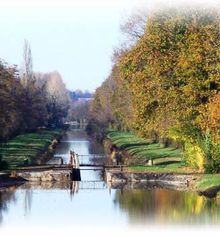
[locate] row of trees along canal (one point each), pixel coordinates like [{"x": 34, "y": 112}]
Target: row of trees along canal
[
  {"x": 29, "y": 100},
  {"x": 165, "y": 85}
]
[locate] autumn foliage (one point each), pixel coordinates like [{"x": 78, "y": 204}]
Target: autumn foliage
[
  {"x": 42, "y": 101},
  {"x": 166, "y": 85}
]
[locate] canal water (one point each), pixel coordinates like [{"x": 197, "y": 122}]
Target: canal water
[{"x": 92, "y": 204}]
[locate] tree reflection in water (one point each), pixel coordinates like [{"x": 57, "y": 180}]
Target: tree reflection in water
[
  {"x": 6, "y": 197},
  {"x": 28, "y": 200},
  {"x": 167, "y": 206}
]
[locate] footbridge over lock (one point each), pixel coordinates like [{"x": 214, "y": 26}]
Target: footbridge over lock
[{"x": 64, "y": 172}]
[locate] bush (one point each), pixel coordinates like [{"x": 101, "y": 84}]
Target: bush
[
  {"x": 193, "y": 156},
  {"x": 211, "y": 149}
]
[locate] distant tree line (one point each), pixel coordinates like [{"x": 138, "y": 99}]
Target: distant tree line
[
  {"x": 75, "y": 95},
  {"x": 166, "y": 84},
  {"x": 79, "y": 105},
  {"x": 79, "y": 111},
  {"x": 29, "y": 100}
]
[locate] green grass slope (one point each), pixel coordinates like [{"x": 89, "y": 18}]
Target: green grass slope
[
  {"x": 142, "y": 148},
  {"x": 27, "y": 146}
]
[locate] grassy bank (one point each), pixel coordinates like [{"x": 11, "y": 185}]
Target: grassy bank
[
  {"x": 26, "y": 148},
  {"x": 166, "y": 160},
  {"x": 141, "y": 149},
  {"x": 208, "y": 181},
  {"x": 178, "y": 168}
]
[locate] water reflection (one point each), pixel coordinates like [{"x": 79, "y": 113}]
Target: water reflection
[
  {"x": 162, "y": 206},
  {"x": 27, "y": 200},
  {"x": 6, "y": 199},
  {"x": 74, "y": 188},
  {"x": 84, "y": 200},
  {"x": 60, "y": 204},
  {"x": 79, "y": 142}
]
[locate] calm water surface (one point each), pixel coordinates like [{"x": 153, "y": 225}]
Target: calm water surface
[{"x": 92, "y": 203}]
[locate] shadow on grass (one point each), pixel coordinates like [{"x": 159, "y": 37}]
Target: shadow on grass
[
  {"x": 133, "y": 145},
  {"x": 168, "y": 163}
]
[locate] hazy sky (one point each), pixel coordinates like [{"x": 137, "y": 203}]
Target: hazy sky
[{"x": 74, "y": 37}]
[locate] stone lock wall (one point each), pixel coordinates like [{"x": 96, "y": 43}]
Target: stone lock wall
[{"x": 48, "y": 175}]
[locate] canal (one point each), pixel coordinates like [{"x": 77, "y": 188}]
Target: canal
[{"x": 92, "y": 204}]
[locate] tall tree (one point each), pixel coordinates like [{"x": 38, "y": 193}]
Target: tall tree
[
  {"x": 33, "y": 104},
  {"x": 27, "y": 64}
]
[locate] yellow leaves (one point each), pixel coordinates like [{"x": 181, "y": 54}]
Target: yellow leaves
[
  {"x": 171, "y": 75},
  {"x": 214, "y": 111},
  {"x": 194, "y": 155},
  {"x": 199, "y": 158},
  {"x": 209, "y": 118},
  {"x": 199, "y": 204}
]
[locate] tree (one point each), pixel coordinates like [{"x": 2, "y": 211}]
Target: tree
[
  {"x": 27, "y": 64},
  {"x": 134, "y": 26},
  {"x": 171, "y": 74},
  {"x": 10, "y": 111},
  {"x": 57, "y": 98},
  {"x": 32, "y": 100}
]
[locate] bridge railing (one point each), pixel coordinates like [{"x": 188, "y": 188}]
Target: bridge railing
[
  {"x": 60, "y": 159},
  {"x": 92, "y": 158}
]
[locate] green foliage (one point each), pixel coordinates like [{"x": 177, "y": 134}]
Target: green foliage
[
  {"x": 211, "y": 150},
  {"x": 193, "y": 156},
  {"x": 190, "y": 136}
]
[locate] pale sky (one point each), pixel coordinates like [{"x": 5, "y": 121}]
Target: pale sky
[{"x": 74, "y": 37}]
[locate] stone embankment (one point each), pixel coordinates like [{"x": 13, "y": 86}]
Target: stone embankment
[
  {"x": 45, "y": 176},
  {"x": 17, "y": 178},
  {"x": 164, "y": 180}
]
